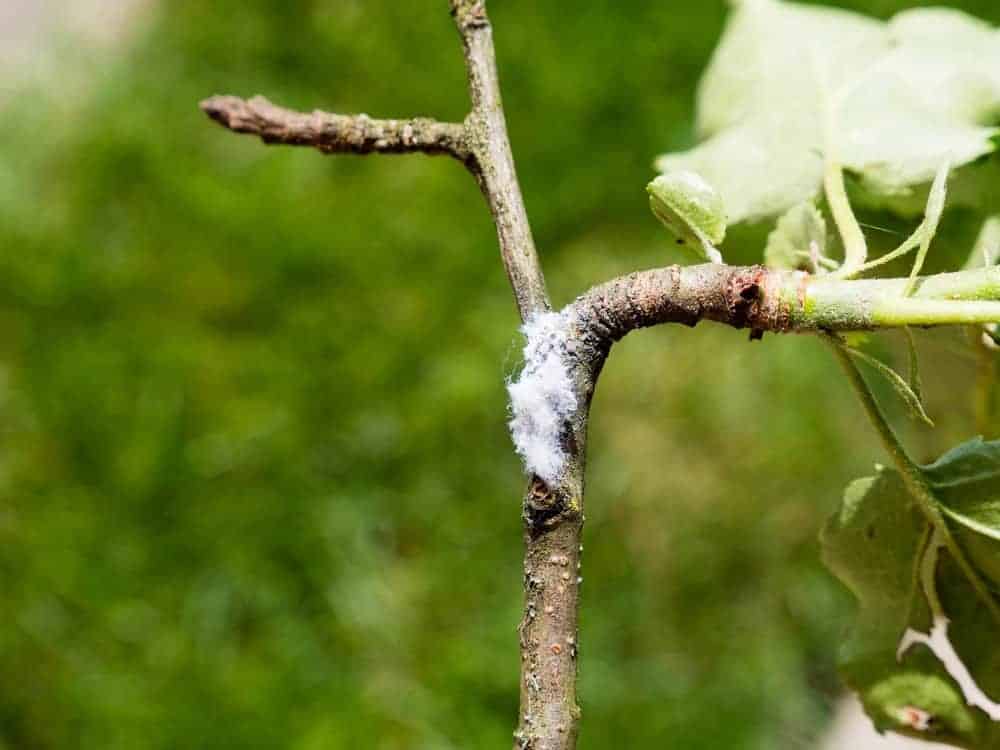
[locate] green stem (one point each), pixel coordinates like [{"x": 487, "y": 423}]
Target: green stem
[
  {"x": 909, "y": 244},
  {"x": 913, "y": 476},
  {"x": 829, "y": 303},
  {"x": 855, "y": 247},
  {"x": 908, "y": 311}
]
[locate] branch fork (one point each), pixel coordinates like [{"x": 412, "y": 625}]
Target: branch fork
[{"x": 743, "y": 297}]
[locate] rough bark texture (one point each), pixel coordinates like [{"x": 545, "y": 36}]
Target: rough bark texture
[
  {"x": 742, "y": 297},
  {"x": 337, "y": 134},
  {"x": 548, "y": 631},
  {"x": 494, "y": 161},
  {"x": 553, "y": 515},
  {"x": 549, "y": 634}
]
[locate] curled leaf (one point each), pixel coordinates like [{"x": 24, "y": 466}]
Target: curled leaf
[{"x": 692, "y": 209}]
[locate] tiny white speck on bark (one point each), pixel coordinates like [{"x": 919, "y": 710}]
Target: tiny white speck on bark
[{"x": 542, "y": 399}]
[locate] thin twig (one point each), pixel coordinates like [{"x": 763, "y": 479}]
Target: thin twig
[
  {"x": 494, "y": 168},
  {"x": 337, "y": 134}
]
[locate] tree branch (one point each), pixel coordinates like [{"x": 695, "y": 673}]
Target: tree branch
[
  {"x": 494, "y": 168},
  {"x": 553, "y": 515},
  {"x": 337, "y": 134},
  {"x": 749, "y": 297},
  {"x": 764, "y": 299},
  {"x": 548, "y": 645},
  {"x": 481, "y": 143},
  {"x": 743, "y": 297},
  {"x": 753, "y": 297}
]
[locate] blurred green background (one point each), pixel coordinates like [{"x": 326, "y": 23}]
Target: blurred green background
[{"x": 256, "y": 489}]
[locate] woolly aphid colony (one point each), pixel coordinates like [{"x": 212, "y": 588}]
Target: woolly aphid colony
[{"x": 542, "y": 398}]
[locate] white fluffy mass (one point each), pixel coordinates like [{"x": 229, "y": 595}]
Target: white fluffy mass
[{"x": 542, "y": 398}]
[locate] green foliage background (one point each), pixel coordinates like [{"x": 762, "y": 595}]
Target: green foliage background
[{"x": 256, "y": 489}]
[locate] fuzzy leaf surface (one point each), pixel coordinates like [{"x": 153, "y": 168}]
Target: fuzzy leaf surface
[{"x": 904, "y": 97}]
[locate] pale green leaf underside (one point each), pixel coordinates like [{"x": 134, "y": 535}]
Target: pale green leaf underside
[
  {"x": 692, "y": 210},
  {"x": 875, "y": 545},
  {"x": 908, "y": 95},
  {"x": 799, "y": 232}
]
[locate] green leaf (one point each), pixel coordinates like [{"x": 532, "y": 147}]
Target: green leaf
[
  {"x": 767, "y": 60},
  {"x": 966, "y": 480},
  {"x": 892, "y": 142},
  {"x": 692, "y": 209},
  {"x": 955, "y": 80},
  {"x": 877, "y": 545},
  {"x": 906, "y": 96},
  {"x": 872, "y": 544},
  {"x": 761, "y": 167},
  {"x": 799, "y": 236}
]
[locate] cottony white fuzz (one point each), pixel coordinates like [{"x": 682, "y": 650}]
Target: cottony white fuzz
[{"x": 542, "y": 398}]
